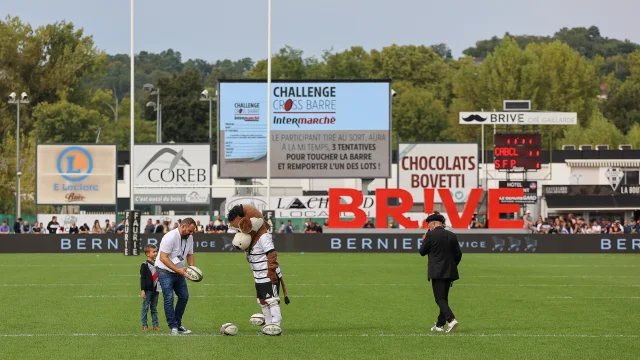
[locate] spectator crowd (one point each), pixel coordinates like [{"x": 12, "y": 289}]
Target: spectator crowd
[{"x": 577, "y": 225}]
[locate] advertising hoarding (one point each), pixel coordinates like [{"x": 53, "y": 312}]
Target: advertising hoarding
[
  {"x": 172, "y": 165},
  {"x": 74, "y": 174},
  {"x": 329, "y": 129},
  {"x": 452, "y": 166}
]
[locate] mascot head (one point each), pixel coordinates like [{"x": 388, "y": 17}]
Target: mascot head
[{"x": 249, "y": 225}]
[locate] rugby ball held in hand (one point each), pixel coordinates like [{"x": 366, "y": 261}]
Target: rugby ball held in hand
[
  {"x": 272, "y": 330},
  {"x": 257, "y": 319},
  {"x": 229, "y": 329},
  {"x": 193, "y": 273}
]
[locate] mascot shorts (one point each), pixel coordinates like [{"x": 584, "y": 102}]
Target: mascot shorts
[{"x": 267, "y": 290}]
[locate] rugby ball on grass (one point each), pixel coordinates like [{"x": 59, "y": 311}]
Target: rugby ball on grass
[
  {"x": 257, "y": 319},
  {"x": 272, "y": 330},
  {"x": 229, "y": 329},
  {"x": 193, "y": 273}
]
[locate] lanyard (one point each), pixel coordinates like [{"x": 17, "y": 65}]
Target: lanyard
[{"x": 184, "y": 248}]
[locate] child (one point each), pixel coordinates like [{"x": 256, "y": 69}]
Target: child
[{"x": 150, "y": 287}]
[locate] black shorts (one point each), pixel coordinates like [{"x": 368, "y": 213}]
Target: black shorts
[{"x": 267, "y": 290}]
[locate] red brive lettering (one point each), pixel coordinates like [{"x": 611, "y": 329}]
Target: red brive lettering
[
  {"x": 496, "y": 208},
  {"x": 383, "y": 210},
  {"x": 335, "y": 208},
  {"x": 463, "y": 221}
]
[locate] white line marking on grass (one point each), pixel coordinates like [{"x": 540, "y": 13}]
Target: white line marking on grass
[
  {"x": 553, "y": 276},
  {"x": 293, "y": 284},
  {"x": 343, "y": 335},
  {"x": 196, "y": 296},
  {"x": 593, "y": 297}
]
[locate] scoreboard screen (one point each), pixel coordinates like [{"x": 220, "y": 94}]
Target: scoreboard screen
[{"x": 517, "y": 150}]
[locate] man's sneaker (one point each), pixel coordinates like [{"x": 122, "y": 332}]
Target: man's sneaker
[
  {"x": 452, "y": 325},
  {"x": 437, "y": 328},
  {"x": 174, "y": 332},
  {"x": 157, "y": 328},
  {"x": 182, "y": 330}
]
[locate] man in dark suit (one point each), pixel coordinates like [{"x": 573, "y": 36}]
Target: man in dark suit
[{"x": 444, "y": 256}]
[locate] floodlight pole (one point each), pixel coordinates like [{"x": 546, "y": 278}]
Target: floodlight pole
[
  {"x": 269, "y": 108},
  {"x": 132, "y": 109}
]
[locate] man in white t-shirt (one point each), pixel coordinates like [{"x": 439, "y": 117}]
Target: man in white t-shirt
[{"x": 176, "y": 247}]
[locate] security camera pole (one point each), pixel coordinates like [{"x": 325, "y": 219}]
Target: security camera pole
[{"x": 24, "y": 99}]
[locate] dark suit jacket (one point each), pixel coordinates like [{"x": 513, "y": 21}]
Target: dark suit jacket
[{"x": 444, "y": 254}]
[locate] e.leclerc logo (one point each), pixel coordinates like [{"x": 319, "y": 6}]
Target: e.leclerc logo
[{"x": 74, "y": 165}]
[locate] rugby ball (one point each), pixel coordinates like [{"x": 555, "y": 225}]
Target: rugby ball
[
  {"x": 229, "y": 329},
  {"x": 193, "y": 273},
  {"x": 257, "y": 319},
  {"x": 272, "y": 330}
]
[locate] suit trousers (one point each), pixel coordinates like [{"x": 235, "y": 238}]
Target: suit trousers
[{"x": 441, "y": 293}]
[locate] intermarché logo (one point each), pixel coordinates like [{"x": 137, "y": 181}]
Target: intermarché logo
[
  {"x": 172, "y": 173},
  {"x": 304, "y": 121}
]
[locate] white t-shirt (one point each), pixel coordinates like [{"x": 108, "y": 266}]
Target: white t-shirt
[
  {"x": 258, "y": 258},
  {"x": 173, "y": 245}
]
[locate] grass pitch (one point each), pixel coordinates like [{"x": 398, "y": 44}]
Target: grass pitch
[{"x": 343, "y": 306}]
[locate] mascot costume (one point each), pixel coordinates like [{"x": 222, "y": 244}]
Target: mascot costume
[{"x": 253, "y": 237}]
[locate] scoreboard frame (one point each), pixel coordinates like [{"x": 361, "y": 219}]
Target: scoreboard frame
[{"x": 520, "y": 151}]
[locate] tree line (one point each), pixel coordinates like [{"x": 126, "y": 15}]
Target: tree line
[{"x": 79, "y": 93}]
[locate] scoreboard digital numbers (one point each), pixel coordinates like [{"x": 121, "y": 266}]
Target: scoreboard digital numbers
[{"x": 517, "y": 150}]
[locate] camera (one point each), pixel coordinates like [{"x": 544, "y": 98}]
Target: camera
[
  {"x": 24, "y": 96},
  {"x": 205, "y": 93},
  {"x": 12, "y": 96},
  {"x": 393, "y": 93}
]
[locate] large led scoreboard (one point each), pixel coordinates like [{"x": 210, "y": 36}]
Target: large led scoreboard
[{"x": 517, "y": 151}]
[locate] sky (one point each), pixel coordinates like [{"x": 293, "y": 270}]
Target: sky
[{"x": 234, "y": 29}]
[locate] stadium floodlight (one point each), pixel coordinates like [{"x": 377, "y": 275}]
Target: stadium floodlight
[
  {"x": 157, "y": 108},
  {"x": 204, "y": 96},
  {"x": 24, "y": 99}
]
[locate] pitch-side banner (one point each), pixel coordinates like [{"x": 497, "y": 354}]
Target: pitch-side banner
[
  {"x": 518, "y": 118},
  {"x": 336, "y": 243},
  {"x": 300, "y": 206},
  {"x": 76, "y": 174},
  {"x": 318, "y": 129},
  {"x": 172, "y": 165},
  {"x": 452, "y": 166}
]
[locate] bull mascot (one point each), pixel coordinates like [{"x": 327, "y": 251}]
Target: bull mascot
[{"x": 254, "y": 238}]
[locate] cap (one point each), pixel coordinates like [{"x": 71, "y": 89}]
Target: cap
[
  {"x": 435, "y": 217},
  {"x": 528, "y": 212}
]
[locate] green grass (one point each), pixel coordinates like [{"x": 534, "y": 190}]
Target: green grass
[{"x": 343, "y": 306}]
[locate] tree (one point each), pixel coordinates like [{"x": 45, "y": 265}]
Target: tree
[
  {"x": 599, "y": 131},
  {"x": 184, "y": 117},
  {"x": 419, "y": 65},
  {"x": 353, "y": 63},
  {"x": 633, "y": 136},
  {"x": 288, "y": 64},
  {"x": 417, "y": 114},
  {"x": 622, "y": 106},
  {"x": 442, "y": 50},
  {"x": 553, "y": 76},
  {"x": 64, "y": 122}
]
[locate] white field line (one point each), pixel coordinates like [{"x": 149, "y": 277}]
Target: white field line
[
  {"x": 593, "y": 297},
  {"x": 193, "y": 296},
  {"x": 606, "y": 336},
  {"x": 293, "y": 284},
  {"x": 347, "y": 264}
]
